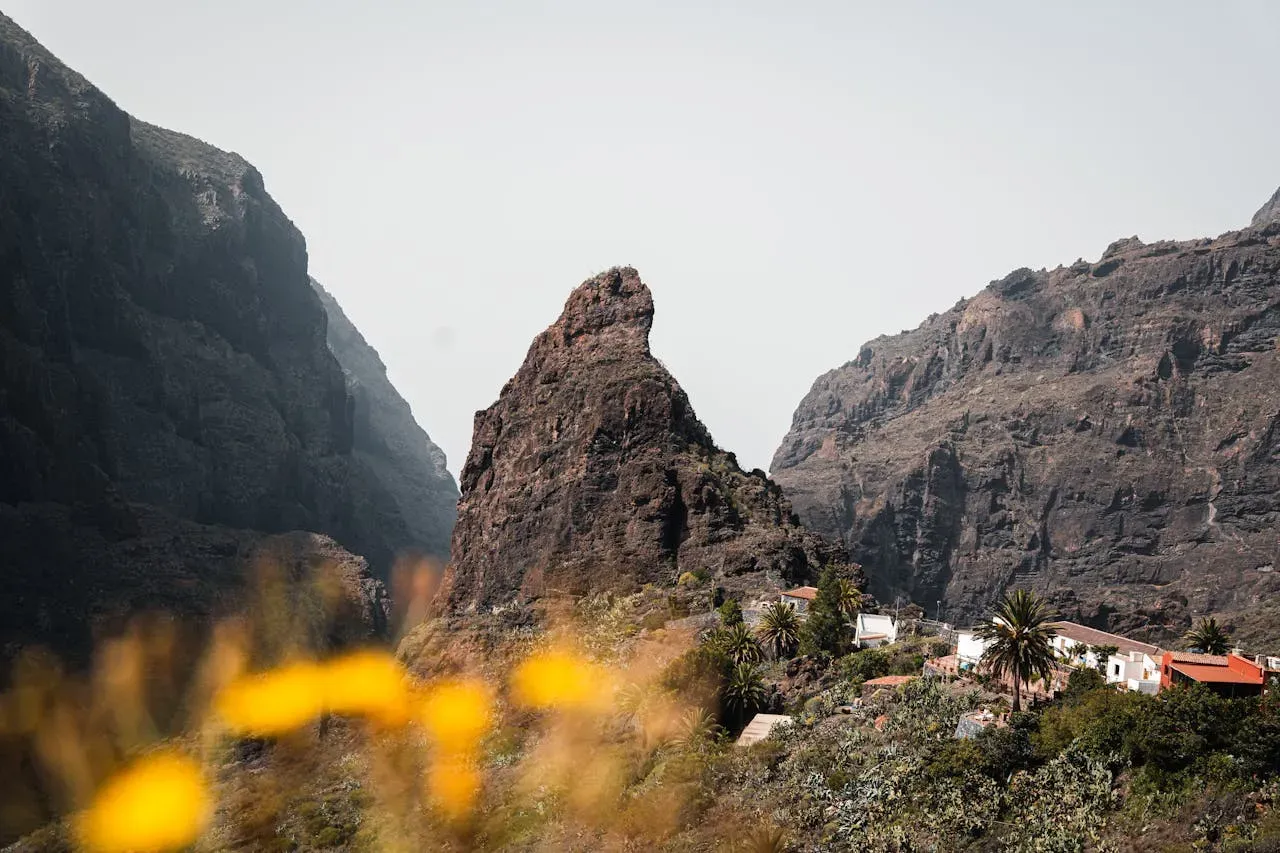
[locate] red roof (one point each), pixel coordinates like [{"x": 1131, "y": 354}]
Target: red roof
[
  {"x": 1208, "y": 673},
  {"x": 809, "y": 593},
  {"x": 889, "y": 681}
]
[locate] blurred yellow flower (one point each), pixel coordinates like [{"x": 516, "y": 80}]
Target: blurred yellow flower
[
  {"x": 456, "y": 714},
  {"x": 560, "y": 679},
  {"x": 273, "y": 702},
  {"x": 370, "y": 684},
  {"x": 159, "y": 803},
  {"x": 453, "y": 786}
]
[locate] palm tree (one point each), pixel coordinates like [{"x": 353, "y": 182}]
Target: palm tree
[
  {"x": 1208, "y": 636},
  {"x": 743, "y": 690},
  {"x": 1019, "y": 640},
  {"x": 740, "y": 644},
  {"x": 848, "y": 597},
  {"x": 780, "y": 628}
]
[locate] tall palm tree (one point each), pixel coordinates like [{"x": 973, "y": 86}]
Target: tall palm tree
[
  {"x": 780, "y": 628},
  {"x": 848, "y": 598},
  {"x": 1019, "y": 640},
  {"x": 1208, "y": 636},
  {"x": 743, "y": 690},
  {"x": 740, "y": 644}
]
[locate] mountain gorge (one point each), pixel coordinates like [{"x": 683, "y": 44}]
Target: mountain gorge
[
  {"x": 1108, "y": 433},
  {"x": 166, "y": 366}
]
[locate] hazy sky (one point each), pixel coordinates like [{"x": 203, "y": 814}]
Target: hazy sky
[{"x": 789, "y": 183}]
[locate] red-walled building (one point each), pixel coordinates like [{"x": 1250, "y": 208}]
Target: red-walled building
[{"x": 1228, "y": 675}]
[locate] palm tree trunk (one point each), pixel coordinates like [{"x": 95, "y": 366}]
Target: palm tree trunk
[{"x": 1017, "y": 694}]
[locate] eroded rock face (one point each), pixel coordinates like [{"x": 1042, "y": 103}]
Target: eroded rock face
[
  {"x": 1107, "y": 432},
  {"x": 163, "y": 356},
  {"x": 389, "y": 442},
  {"x": 592, "y": 472}
]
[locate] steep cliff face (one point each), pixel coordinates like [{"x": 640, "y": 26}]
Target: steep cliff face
[
  {"x": 389, "y": 442},
  {"x": 160, "y": 342},
  {"x": 592, "y": 472},
  {"x": 1107, "y": 432}
]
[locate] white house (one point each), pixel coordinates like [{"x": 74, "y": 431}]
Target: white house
[
  {"x": 1134, "y": 666},
  {"x": 969, "y": 649},
  {"x": 800, "y": 598},
  {"x": 874, "y": 629}
]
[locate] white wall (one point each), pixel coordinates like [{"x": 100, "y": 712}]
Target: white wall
[{"x": 969, "y": 647}]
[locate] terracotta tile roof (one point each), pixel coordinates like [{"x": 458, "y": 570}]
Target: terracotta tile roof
[
  {"x": 1094, "y": 637},
  {"x": 889, "y": 680},
  {"x": 809, "y": 593},
  {"x": 1214, "y": 674},
  {"x": 1198, "y": 658}
]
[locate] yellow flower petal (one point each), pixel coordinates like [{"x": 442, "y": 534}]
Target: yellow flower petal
[
  {"x": 560, "y": 679},
  {"x": 159, "y": 803},
  {"x": 453, "y": 786},
  {"x": 273, "y": 702},
  {"x": 369, "y": 684},
  {"x": 457, "y": 714}
]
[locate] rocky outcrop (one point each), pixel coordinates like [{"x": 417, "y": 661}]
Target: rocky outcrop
[
  {"x": 70, "y": 580},
  {"x": 389, "y": 442},
  {"x": 592, "y": 472},
  {"x": 1106, "y": 432},
  {"x": 1269, "y": 212},
  {"x": 162, "y": 354}
]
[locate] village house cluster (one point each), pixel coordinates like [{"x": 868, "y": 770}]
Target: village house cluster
[
  {"x": 1127, "y": 664},
  {"x": 1130, "y": 664},
  {"x": 1124, "y": 663}
]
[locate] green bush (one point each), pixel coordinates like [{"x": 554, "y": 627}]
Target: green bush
[
  {"x": 730, "y": 613},
  {"x": 826, "y": 630}
]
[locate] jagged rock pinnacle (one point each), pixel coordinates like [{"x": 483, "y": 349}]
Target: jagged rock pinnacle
[
  {"x": 592, "y": 472},
  {"x": 616, "y": 303}
]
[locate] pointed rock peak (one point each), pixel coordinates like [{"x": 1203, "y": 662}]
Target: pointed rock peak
[
  {"x": 615, "y": 303},
  {"x": 1269, "y": 212}
]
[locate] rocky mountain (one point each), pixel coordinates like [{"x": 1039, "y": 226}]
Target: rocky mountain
[
  {"x": 592, "y": 472},
  {"x": 389, "y": 442},
  {"x": 1106, "y": 432},
  {"x": 163, "y": 355}
]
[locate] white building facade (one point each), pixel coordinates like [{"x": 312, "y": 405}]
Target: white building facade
[{"x": 875, "y": 629}]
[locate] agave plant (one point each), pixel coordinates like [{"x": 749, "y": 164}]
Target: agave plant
[
  {"x": 762, "y": 839},
  {"x": 695, "y": 729},
  {"x": 1207, "y": 636},
  {"x": 780, "y": 628}
]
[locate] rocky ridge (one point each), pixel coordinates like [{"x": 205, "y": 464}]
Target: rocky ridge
[
  {"x": 592, "y": 472},
  {"x": 164, "y": 356},
  {"x": 1106, "y": 432},
  {"x": 388, "y": 441}
]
